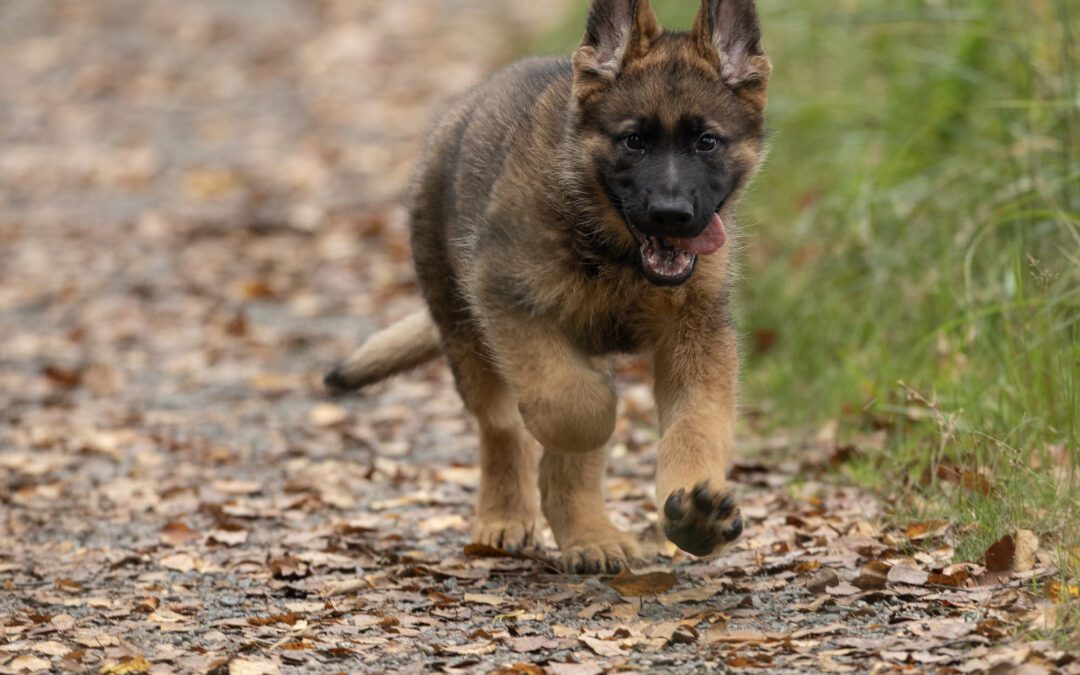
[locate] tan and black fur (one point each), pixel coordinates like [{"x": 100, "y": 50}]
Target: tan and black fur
[{"x": 533, "y": 279}]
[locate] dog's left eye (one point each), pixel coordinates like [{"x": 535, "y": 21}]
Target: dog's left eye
[{"x": 707, "y": 143}]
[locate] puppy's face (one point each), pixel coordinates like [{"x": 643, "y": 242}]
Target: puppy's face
[{"x": 669, "y": 139}]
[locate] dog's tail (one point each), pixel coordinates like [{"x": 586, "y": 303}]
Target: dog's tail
[{"x": 404, "y": 345}]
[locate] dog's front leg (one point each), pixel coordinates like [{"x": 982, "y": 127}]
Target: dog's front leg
[
  {"x": 567, "y": 400},
  {"x": 696, "y": 369}
]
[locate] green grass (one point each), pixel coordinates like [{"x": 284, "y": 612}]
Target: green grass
[{"x": 913, "y": 246}]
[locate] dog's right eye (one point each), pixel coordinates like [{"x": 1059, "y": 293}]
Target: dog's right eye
[{"x": 634, "y": 142}]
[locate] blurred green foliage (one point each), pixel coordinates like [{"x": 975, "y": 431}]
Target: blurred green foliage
[{"x": 912, "y": 246}]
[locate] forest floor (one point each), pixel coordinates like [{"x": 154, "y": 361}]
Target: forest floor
[{"x": 200, "y": 214}]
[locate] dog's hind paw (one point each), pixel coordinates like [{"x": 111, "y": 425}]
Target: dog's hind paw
[{"x": 702, "y": 521}]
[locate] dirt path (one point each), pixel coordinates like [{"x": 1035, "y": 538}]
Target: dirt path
[{"x": 197, "y": 215}]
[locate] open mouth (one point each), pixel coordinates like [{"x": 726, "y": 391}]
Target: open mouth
[{"x": 669, "y": 261}]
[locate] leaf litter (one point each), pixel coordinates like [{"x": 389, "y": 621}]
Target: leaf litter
[{"x": 180, "y": 496}]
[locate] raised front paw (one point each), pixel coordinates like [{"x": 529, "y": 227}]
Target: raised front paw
[{"x": 702, "y": 521}]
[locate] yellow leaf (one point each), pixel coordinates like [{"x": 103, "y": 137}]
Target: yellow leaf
[{"x": 134, "y": 664}]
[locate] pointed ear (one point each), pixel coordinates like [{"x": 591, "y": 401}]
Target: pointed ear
[
  {"x": 728, "y": 30},
  {"x": 616, "y": 32}
]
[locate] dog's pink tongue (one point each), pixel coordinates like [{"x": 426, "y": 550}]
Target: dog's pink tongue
[{"x": 709, "y": 241}]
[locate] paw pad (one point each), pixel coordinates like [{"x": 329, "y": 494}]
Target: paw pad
[{"x": 703, "y": 520}]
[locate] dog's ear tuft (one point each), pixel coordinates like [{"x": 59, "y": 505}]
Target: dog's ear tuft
[
  {"x": 616, "y": 32},
  {"x": 728, "y": 31}
]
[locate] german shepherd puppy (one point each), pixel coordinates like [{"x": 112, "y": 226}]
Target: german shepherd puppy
[{"x": 569, "y": 209}]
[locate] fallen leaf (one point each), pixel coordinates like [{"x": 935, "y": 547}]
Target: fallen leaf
[
  {"x": 240, "y": 666},
  {"x": 873, "y": 575},
  {"x": 1000, "y": 555},
  {"x": 288, "y": 567},
  {"x": 31, "y": 664},
  {"x": 822, "y": 580},
  {"x": 470, "y": 649},
  {"x": 720, "y": 634},
  {"x": 177, "y": 534},
  {"x": 1027, "y": 545},
  {"x": 910, "y": 576},
  {"x": 442, "y": 523},
  {"x": 842, "y": 589},
  {"x": 179, "y": 562},
  {"x": 290, "y": 619},
  {"x": 95, "y": 638},
  {"x": 166, "y": 616},
  {"x": 237, "y": 487},
  {"x": 229, "y": 537},
  {"x": 587, "y": 668},
  {"x": 601, "y": 647},
  {"x": 532, "y": 643},
  {"x": 930, "y": 528},
  {"x": 52, "y": 648},
  {"x": 700, "y": 594},
  {"x": 485, "y": 551},
  {"x": 520, "y": 669},
  {"x": 133, "y": 664},
  {"x": 630, "y": 585},
  {"x": 484, "y": 599},
  {"x": 327, "y": 415},
  {"x": 955, "y": 579}
]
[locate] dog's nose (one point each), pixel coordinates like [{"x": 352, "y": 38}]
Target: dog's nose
[{"x": 671, "y": 211}]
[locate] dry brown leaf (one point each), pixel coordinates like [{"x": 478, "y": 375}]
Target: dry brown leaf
[
  {"x": 484, "y": 599},
  {"x": 51, "y": 648},
  {"x": 930, "y": 528},
  {"x": 1000, "y": 555},
  {"x": 485, "y": 551},
  {"x": 842, "y": 589},
  {"x": 166, "y": 616},
  {"x": 470, "y": 649},
  {"x": 30, "y": 664},
  {"x": 177, "y": 533},
  {"x": 435, "y": 524},
  {"x": 328, "y": 415},
  {"x": 873, "y": 575},
  {"x": 133, "y": 664},
  {"x": 520, "y": 668},
  {"x": 290, "y": 619},
  {"x": 748, "y": 660},
  {"x": 179, "y": 562},
  {"x": 955, "y": 580},
  {"x": 587, "y": 668},
  {"x": 288, "y": 567},
  {"x": 237, "y": 487},
  {"x": 95, "y": 638},
  {"x": 721, "y": 634},
  {"x": 1027, "y": 545},
  {"x": 822, "y": 580},
  {"x": 247, "y": 666},
  {"x": 630, "y": 585},
  {"x": 601, "y": 647},
  {"x": 700, "y": 594},
  {"x": 532, "y": 643},
  {"x": 910, "y": 576},
  {"x": 234, "y": 536}
]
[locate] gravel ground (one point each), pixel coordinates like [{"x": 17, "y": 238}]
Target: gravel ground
[{"x": 198, "y": 214}]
